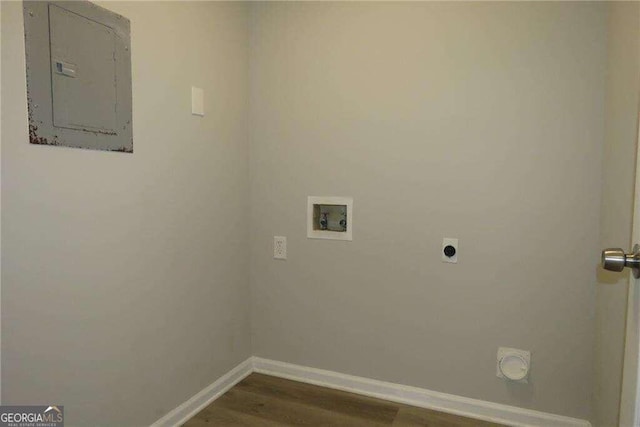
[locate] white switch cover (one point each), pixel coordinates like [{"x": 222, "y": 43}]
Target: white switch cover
[
  {"x": 279, "y": 247},
  {"x": 197, "y": 101},
  {"x": 450, "y": 242}
]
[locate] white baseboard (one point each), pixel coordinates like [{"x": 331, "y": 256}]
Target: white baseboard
[
  {"x": 464, "y": 406},
  {"x": 473, "y": 408},
  {"x": 203, "y": 398}
]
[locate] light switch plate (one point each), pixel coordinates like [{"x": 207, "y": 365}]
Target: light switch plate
[
  {"x": 279, "y": 247},
  {"x": 197, "y": 101}
]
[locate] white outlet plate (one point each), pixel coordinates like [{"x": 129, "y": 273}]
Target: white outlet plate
[
  {"x": 279, "y": 247},
  {"x": 505, "y": 351},
  {"x": 453, "y": 242}
]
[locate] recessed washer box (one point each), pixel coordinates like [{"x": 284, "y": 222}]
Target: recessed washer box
[
  {"x": 330, "y": 218},
  {"x": 78, "y": 75}
]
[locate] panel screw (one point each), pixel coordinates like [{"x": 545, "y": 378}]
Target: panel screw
[{"x": 30, "y": 13}]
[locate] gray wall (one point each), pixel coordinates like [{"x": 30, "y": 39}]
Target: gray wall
[
  {"x": 617, "y": 201},
  {"x": 125, "y": 277},
  {"x": 481, "y": 121}
]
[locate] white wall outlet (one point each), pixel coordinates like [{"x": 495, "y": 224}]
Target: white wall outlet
[
  {"x": 450, "y": 250},
  {"x": 513, "y": 364},
  {"x": 279, "y": 247}
]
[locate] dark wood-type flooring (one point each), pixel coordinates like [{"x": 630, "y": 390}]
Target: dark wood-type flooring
[{"x": 266, "y": 401}]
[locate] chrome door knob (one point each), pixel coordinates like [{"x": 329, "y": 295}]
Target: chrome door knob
[{"x": 614, "y": 259}]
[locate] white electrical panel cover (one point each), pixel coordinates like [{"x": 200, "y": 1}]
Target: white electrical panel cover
[{"x": 78, "y": 75}]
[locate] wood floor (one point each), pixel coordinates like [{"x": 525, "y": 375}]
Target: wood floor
[{"x": 261, "y": 400}]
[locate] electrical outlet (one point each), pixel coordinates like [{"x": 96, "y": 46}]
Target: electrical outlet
[{"x": 279, "y": 247}]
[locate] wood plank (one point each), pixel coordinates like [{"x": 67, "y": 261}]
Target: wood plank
[
  {"x": 287, "y": 412},
  {"x": 409, "y": 416},
  {"x": 365, "y": 408},
  {"x": 219, "y": 416},
  {"x": 266, "y": 401}
]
